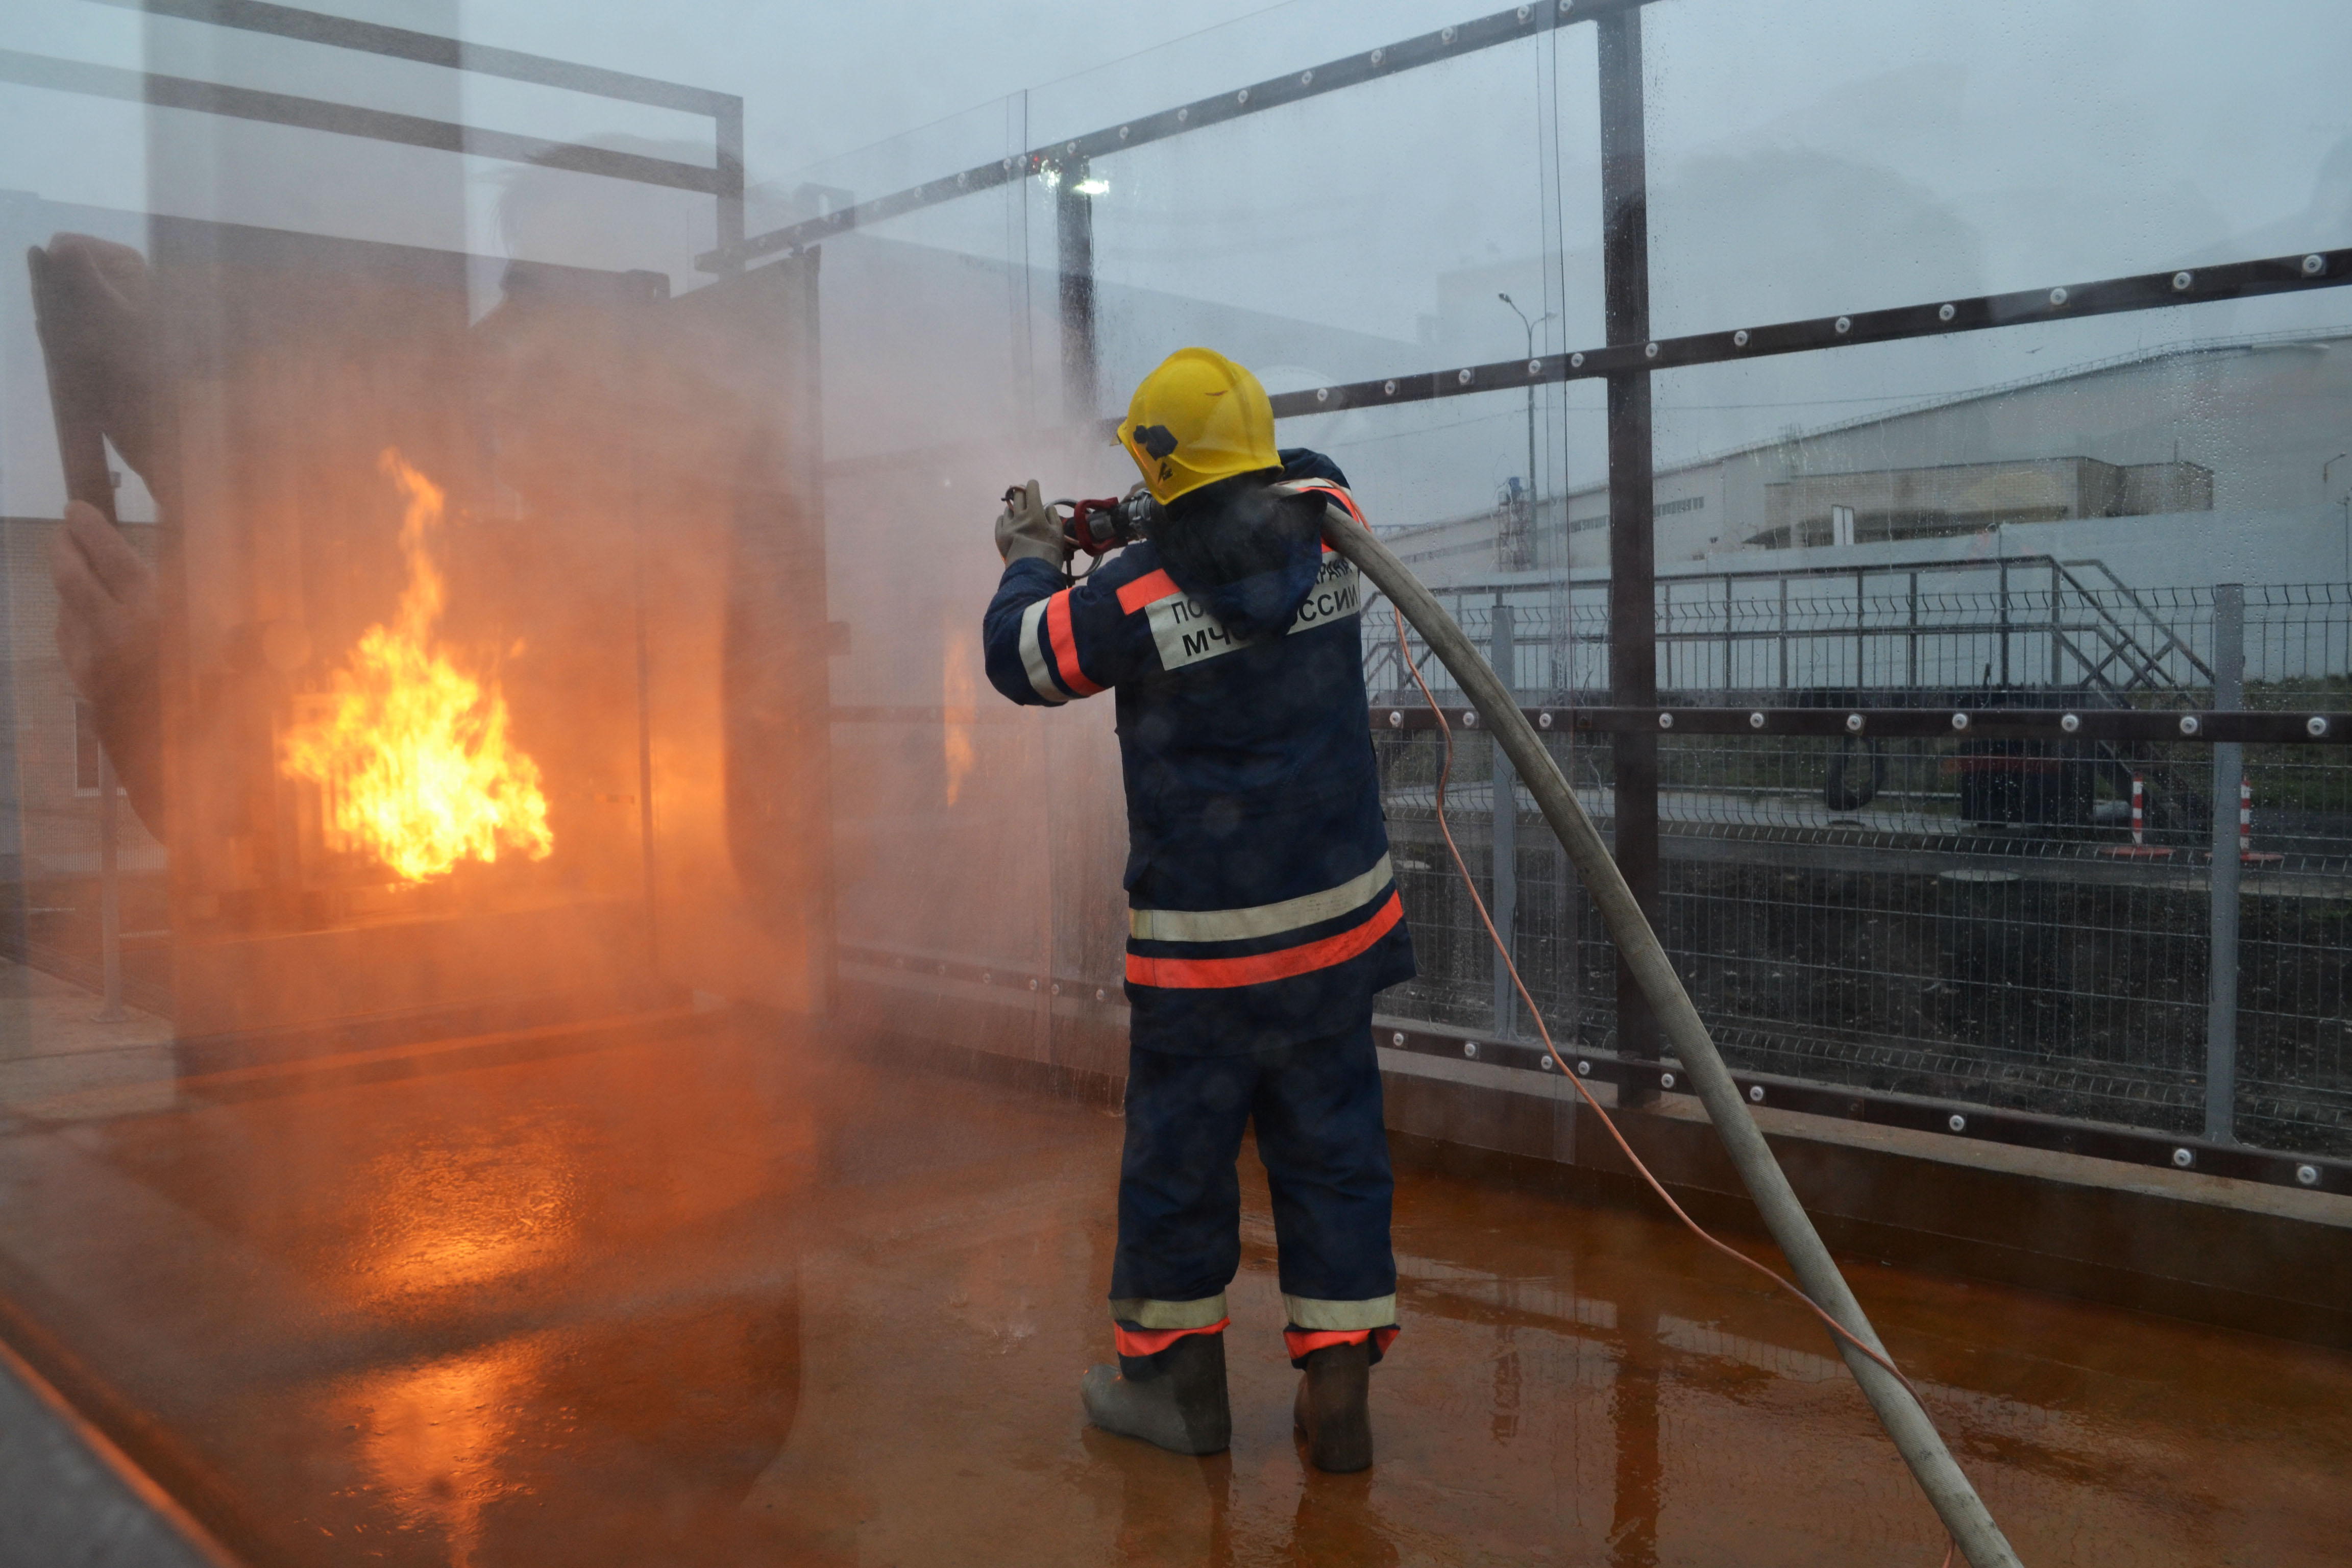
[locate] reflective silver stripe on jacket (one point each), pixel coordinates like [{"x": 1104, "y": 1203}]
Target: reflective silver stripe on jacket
[
  {"x": 1033, "y": 658},
  {"x": 1264, "y": 919}
]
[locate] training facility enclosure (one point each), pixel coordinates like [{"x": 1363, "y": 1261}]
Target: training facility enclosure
[
  {"x": 1916, "y": 521},
  {"x": 1949, "y": 842}
]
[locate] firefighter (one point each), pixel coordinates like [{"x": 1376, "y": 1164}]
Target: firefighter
[{"x": 1264, "y": 907}]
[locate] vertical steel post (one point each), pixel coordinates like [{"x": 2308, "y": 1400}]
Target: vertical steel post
[
  {"x": 110, "y": 893},
  {"x": 1911, "y": 656},
  {"x": 1524, "y": 558},
  {"x": 1502, "y": 652},
  {"x": 649, "y": 864},
  {"x": 726, "y": 134},
  {"x": 1784, "y": 635},
  {"x": 1571, "y": 912},
  {"x": 1074, "y": 265},
  {"x": 1632, "y": 549},
  {"x": 1074, "y": 238},
  {"x": 1861, "y": 637},
  {"x": 2057, "y": 634},
  {"x": 2004, "y": 623},
  {"x": 1730, "y": 640},
  {"x": 815, "y": 783},
  {"x": 1020, "y": 275},
  {"x": 2229, "y": 767}
]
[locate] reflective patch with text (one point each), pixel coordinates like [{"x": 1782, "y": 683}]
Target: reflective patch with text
[{"x": 1186, "y": 633}]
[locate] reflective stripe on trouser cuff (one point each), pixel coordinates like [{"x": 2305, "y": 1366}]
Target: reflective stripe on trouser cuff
[
  {"x": 1033, "y": 658},
  {"x": 1146, "y": 1313},
  {"x": 1212, "y": 974},
  {"x": 1306, "y": 1312},
  {"x": 1152, "y": 1341},
  {"x": 1304, "y": 1342},
  {"x": 1260, "y": 920}
]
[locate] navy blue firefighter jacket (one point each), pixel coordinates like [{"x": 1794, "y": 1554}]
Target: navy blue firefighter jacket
[{"x": 1263, "y": 906}]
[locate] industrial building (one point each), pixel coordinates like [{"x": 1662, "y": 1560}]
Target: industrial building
[{"x": 2076, "y": 444}]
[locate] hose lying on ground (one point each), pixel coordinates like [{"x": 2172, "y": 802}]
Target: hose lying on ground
[{"x": 1955, "y": 1502}]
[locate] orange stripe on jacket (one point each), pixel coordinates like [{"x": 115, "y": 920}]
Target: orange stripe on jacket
[
  {"x": 1065, "y": 645},
  {"x": 1147, "y": 589},
  {"x": 1207, "y": 974},
  {"x": 1152, "y": 1341}
]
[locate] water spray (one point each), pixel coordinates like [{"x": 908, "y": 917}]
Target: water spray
[{"x": 1818, "y": 1283}]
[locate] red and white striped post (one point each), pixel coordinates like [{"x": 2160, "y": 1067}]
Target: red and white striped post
[
  {"x": 2139, "y": 810},
  {"x": 2246, "y": 815}
]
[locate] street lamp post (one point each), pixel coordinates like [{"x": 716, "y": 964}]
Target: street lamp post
[{"x": 1530, "y": 327}]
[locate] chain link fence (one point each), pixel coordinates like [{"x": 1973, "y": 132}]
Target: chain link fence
[{"x": 1991, "y": 922}]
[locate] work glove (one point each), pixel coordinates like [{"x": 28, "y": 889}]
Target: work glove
[
  {"x": 1028, "y": 527},
  {"x": 97, "y": 324}
]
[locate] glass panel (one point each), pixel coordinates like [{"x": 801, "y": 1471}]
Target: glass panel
[
  {"x": 1872, "y": 157},
  {"x": 1254, "y": 234},
  {"x": 940, "y": 384}
]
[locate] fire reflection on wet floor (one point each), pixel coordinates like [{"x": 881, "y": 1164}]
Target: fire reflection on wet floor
[
  {"x": 476, "y": 1205},
  {"x": 724, "y": 1298}
]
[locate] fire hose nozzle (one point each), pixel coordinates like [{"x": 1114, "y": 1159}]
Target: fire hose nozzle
[{"x": 1097, "y": 527}]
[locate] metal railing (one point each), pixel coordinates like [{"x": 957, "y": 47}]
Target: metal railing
[
  {"x": 2032, "y": 924},
  {"x": 1927, "y": 630}
]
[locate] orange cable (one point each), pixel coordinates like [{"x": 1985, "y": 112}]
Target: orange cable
[{"x": 1502, "y": 950}]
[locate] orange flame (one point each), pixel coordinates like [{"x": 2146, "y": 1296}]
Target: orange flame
[
  {"x": 412, "y": 759},
  {"x": 960, "y": 712}
]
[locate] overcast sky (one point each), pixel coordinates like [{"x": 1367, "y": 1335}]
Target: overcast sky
[{"x": 1807, "y": 157}]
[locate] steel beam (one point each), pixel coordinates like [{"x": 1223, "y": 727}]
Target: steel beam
[
  {"x": 347, "y": 120},
  {"x": 2181, "y": 726},
  {"x": 1503, "y": 655},
  {"x": 2221, "y": 967},
  {"x": 2185, "y": 726},
  {"x": 434, "y": 49},
  {"x": 1074, "y": 235},
  {"x": 724, "y": 180},
  {"x": 1919, "y": 1113},
  {"x": 726, "y": 148},
  {"x": 2144, "y": 291},
  {"x": 1632, "y": 547},
  {"x": 1449, "y": 43}
]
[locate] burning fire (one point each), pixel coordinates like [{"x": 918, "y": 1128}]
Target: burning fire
[
  {"x": 412, "y": 760},
  {"x": 960, "y": 710}
]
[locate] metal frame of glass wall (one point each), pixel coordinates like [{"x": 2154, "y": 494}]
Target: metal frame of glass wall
[
  {"x": 1624, "y": 362},
  {"x": 1632, "y": 718}
]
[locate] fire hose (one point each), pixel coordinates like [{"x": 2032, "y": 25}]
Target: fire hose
[{"x": 1818, "y": 1283}]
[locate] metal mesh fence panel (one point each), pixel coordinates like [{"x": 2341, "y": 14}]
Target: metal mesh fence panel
[{"x": 2009, "y": 923}]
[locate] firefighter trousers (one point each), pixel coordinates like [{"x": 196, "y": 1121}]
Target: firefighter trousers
[{"x": 1315, "y": 1107}]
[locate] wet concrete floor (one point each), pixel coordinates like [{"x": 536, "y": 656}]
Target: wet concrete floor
[{"x": 684, "y": 1295}]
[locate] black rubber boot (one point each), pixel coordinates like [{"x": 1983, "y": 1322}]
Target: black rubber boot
[
  {"x": 1183, "y": 1409},
  {"x": 1334, "y": 1408}
]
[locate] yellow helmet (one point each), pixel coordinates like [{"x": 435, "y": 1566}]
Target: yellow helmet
[{"x": 1198, "y": 418}]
